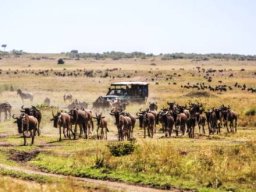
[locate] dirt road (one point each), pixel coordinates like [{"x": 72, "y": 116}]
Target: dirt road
[{"x": 116, "y": 186}]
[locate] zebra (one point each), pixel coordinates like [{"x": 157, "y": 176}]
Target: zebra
[
  {"x": 6, "y": 108},
  {"x": 47, "y": 101},
  {"x": 67, "y": 97},
  {"x": 25, "y": 95}
]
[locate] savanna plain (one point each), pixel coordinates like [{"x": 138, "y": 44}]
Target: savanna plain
[{"x": 217, "y": 162}]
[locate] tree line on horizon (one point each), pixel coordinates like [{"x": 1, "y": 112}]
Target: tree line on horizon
[{"x": 117, "y": 55}]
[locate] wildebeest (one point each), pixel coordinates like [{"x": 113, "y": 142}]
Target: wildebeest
[
  {"x": 168, "y": 121},
  {"x": 67, "y": 96},
  {"x": 63, "y": 120},
  {"x": 25, "y": 95},
  {"x": 123, "y": 123},
  {"x": 133, "y": 121},
  {"x": 81, "y": 118},
  {"x": 34, "y": 112},
  {"x": 180, "y": 122},
  {"x": 147, "y": 122},
  {"x": 6, "y": 108},
  {"x": 230, "y": 119},
  {"x": 213, "y": 121},
  {"x": 201, "y": 121},
  {"x": 27, "y": 124},
  {"x": 153, "y": 106},
  {"x": 102, "y": 125}
]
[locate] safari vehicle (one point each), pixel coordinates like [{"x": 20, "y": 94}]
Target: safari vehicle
[{"x": 128, "y": 91}]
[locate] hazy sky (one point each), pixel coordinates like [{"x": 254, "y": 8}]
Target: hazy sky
[{"x": 152, "y": 26}]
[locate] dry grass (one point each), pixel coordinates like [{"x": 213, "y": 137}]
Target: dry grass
[{"x": 206, "y": 161}]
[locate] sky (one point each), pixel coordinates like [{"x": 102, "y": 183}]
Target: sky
[{"x": 150, "y": 26}]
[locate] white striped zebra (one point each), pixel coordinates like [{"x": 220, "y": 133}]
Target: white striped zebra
[
  {"x": 25, "y": 95},
  {"x": 6, "y": 108}
]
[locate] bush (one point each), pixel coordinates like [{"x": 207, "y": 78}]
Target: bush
[
  {"x": 61, "y": 61},
  {"x": 250, "y": 112},
  {"x": 121, "y": 149}
]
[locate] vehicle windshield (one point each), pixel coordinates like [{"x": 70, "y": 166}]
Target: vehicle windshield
[{"x": 118, "y": 92}]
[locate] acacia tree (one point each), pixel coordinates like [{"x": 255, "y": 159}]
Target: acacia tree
[{"x": 4, "y": 46}]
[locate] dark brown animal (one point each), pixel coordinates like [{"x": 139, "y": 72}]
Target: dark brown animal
[
  {"x": 133, "y": 121},
  {"x": 147, "y": 122},
  {"x": 123, "y": 124},
  {"x": 167, "y": 121},
  {"x": 81, "y": 118},
  {"x": 34, "y": 112},
  {"x": 102, "y": 124},
  {"x": 27, "y": 124},
  {"x": 201, "y": 121},
  {"x": 230, "y": 120},
  {"x": 180, "y": 123},
  {"x": 63, "y": 120}
]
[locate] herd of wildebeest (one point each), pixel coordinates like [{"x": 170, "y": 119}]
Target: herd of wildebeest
[
  {"x": 173, "y": 119},
  {"x": 208, "y": 74}
]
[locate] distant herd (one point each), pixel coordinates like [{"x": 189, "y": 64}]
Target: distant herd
[
  {"x": 209, "y": 74},
  {"x": 173, "y": 119}
]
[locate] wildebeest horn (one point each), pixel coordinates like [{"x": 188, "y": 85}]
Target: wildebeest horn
[
  {"x": 14, "y": 117},
  {"x": 22, "y": 107}
]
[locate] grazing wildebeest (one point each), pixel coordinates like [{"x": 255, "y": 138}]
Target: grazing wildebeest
[
  {"x": 102, "y": 125},
  {"x": 34, "y": 112},
  {"x": 27, "y": 123},
  {"x": 63, "y": 120},
  {"x": 67, "y": 96},
  {"x": 47, "y": 101},
  {"x": 25, "y": 95},
  {"x": 123, "y": 123},
  {"x": 6, "y": 108}
]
